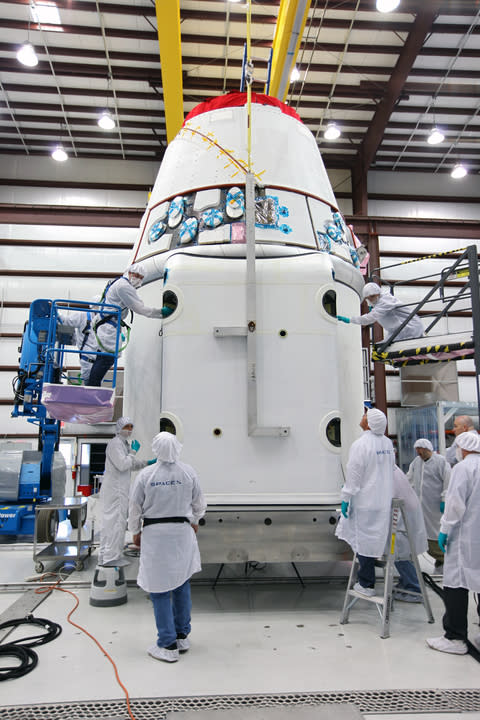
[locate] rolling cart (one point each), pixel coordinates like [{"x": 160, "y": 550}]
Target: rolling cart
[{"x": 74, "y": 550}]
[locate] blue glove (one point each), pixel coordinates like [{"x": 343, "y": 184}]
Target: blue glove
[
  {"x": 135, "y": 445},
  {"x": 166, "y": 311},
  {"x": 343, "y": 318},
  {"x": 442, "y": 541},
  {"x": 442, "y": 506},
  {"x": 151, "y": 462},
  {"x": 345, "y": 505}
]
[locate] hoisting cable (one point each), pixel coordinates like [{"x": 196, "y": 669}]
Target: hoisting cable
[
  {"x": 472, "y": 650},
  {"x": 56, "y": 586},
  {"x": 249, "y": 80}
]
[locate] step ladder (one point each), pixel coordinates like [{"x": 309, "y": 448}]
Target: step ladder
[{"x": 384, "y": 604}]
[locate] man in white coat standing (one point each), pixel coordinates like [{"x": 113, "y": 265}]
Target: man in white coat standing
[
  {"x": 429, "y": 475},
  {"x": 120, "y": 460},
  {"x": 169, "y": 501},
  {"x": 367, "y": 497},
  {"x": 459, "y": 539}
]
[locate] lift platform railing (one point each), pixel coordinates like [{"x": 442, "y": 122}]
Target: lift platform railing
[
  {"x": 57, "y": 350},
  {"x": 468, "y": 292}
]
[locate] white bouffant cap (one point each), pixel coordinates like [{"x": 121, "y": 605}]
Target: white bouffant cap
[
  {"x": 377, "y": 421},
  {"x": 424, "y": 443},
  {"x": 166, "y": 447},
  {"x": 371, "y": 289},
  {"x": 137, "y": 269},
  {"x": 469, "y": 441}
]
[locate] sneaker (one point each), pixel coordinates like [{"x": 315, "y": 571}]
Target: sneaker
[
  {"x": 405, "y": 597},
  {"x": 183, "y": 644},
  {"x": 369, "y": 592},
  {"x": 443, "y": 644},
  {"x": 161, "y": 653},
  {"x": 438, "y": 565},
  {"x": 475, "y": 641}
]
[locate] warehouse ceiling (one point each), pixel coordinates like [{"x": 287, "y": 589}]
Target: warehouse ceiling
[{"x": 385, "y": 78}]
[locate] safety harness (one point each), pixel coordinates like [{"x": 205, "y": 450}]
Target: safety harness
[{"x": 109, "y": 318}]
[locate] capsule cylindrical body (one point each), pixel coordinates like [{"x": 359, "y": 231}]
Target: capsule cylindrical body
[{"x": 272, "y": 486}]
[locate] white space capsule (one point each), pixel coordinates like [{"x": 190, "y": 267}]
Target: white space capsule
[{"x": 272, "y": 495}]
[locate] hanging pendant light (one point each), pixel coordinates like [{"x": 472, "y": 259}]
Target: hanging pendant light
[
  {"x": 59, "y": 154},
  {"x": 27, "y": 55},
  {"x": 459, "y": 171},
  {"x": 386, "y": 6},
  {"x": 436, "y": 136},
  {"x": 106, "y": 121},
  {"x": 332, "y": 131}
]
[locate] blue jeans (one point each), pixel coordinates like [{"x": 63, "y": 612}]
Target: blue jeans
[
  {"x": 408, "y": 576},
  {"x": 172, "y": 614}
]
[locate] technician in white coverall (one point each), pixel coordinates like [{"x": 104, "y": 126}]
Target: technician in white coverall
[
  {"x": 429, "y": 475},
  {"x": 120, "y": 460},
  {"x": 388, "y": 312},
  {"x": 122, "y": 292},
  {"x": 169, "y": 500},
  {"x": 367, "y": 497},
  {"x": 459, "y": 538}
]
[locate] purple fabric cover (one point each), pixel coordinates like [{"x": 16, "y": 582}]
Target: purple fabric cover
[{"x": 78, "y": 403}]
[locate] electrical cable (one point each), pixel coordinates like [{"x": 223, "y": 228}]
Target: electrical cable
[
  {"x": 52, "y": 628},
  {"x": 48, "y": 589},
  {"x": 28, "y": 661}
]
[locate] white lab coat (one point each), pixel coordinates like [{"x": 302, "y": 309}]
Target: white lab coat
[
  {"x": 369, "y": 490},
  {"x": 461, "y": 522},
  {"x": 413, "y": 510},
  {"x": 390, "y": 313},
  {"x": 121, "y": 293},
  {"x": 430, "y": 478},
  {"x": 119, "y": 463},
  {"x": 169, "y": 551}
]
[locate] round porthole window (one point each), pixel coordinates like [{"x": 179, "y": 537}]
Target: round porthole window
[
  {"x": 169, "y": 422},
  {"x": 166, "y": 425},
  {"x": 329, "y": 302},
  {"x": 332, "y": 431},
  {"x": 170, "y": 300}
]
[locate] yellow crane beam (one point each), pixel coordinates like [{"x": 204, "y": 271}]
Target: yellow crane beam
[
  {"x": 170, "y": 42},
  {"x": 292, "y": 17}
]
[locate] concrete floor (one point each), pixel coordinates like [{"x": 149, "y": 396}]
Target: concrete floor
[{"x": 262, "y": 635}]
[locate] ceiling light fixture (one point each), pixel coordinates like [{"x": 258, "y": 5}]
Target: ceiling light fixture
[
  {"x": 106, "y": 121},
  {"x": 386, "y": 6},
  {"x": 436, "y": 136},
  {"x": 59, "y": 154},
  {"x": 45, "y": 13},
  {"x": 27, "y": 55},
  {"x": 332, "y": 131},
  {"x": 295, "y": 74},
  {"x": 459, "y": 171}
]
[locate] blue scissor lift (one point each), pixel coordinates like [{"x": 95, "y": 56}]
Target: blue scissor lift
[{"x": 44, "y": 395}]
